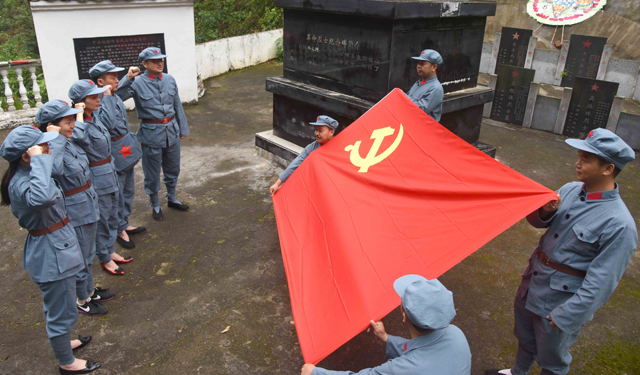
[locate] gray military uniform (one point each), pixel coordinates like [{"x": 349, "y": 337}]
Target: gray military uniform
[
  {"x": 592, "y": 232},
  {"x": 157, "y": 98},
  {"x": 71, "y": 170},
  {"x": 298, "y": 160},
  {"x": 95, "y": 140},
  {"x": 428, "y": 94},
  {"x": 443, "y": 352},
  {"x": 125, "y": 150},
  {"x": 53, "y": 259}
]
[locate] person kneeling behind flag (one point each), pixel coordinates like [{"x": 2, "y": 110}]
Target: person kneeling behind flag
[
  {"x": 325, "y": 128},
  {"x": 436, "y": 346}
]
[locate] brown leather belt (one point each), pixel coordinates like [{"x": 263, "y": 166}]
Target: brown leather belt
[
  {"x": 544, "y": 259},
  {"x": 50, "y": 229},
  {"x": 113, "y": 139},
  {"x": 78, "y": 189},
  {"x": 161, "y": 121},
  {"x": 100, "y": 162}
]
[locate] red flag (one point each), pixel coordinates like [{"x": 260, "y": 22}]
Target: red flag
[{"x": 395, "y": 193}]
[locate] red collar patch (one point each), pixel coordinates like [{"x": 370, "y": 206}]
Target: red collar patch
[
  {"x": 88, "y": 118},
  {"x": 594, "y": 196},
  {"x": 423, "y": 81},
  {"x": 405, "y": 347}
]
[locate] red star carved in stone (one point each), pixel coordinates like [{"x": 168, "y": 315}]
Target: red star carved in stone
[
  {"x": 586, "y": 44},
  {"x": 126, "y": 150},
  {"x": 595, "y": 87},
  {"x": 515, "y": 74},
  {"x": 516, "y": 36}
]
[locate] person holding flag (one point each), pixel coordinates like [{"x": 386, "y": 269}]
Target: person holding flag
[
  {"x": 580, "y": 259},
  {"x": 125, "y": 148},
  {"x": 324, "y": 131},
  {"x": 427, "y": 92},
  {"x": 436, "y": 346}
]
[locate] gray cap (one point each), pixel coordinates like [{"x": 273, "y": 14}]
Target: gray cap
[
  {"x": 103, "y": 67},
  {"x": 21, "y": 139},
  {"x": 326, "y": 121},
  {"x": 427, "y": 303},
  {"x": 53, "y": 110},
  {"x": 83, "y": 88},
  {"x": 430, "y": 56},
  {"x": 151, "y": 53},
  {"x": 607, "y": 145}
]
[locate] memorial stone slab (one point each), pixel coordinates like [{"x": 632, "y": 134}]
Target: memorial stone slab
[
  {"x": 123, "y": 51},
  {"x": 511, "y": 94},
  {"x": 583, "y": 58},
  {"x": 513, "y": 47},
  {"x": 589, "y": 107},
  {"x": 341, "y": 57}
]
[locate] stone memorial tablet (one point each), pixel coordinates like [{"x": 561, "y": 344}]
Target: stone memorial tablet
[
  {"x": 589, "y": 107},
  {"x": 513, "y": 47},
  {"x": 583, "y": 58},
  {"x": 123, "y": 51},
  {"x": 511, "y": 93}
]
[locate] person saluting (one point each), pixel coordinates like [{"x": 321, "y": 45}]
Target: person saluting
[{"x": 51, "y": 252}]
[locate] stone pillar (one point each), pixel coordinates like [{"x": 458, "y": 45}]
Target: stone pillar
[
  {"x": 564, "y": 110},
  {"x": 7, "y": 90}
]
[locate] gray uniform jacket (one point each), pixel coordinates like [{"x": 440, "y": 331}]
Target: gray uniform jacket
[
  {"x": 113, "y": 115},
  {"x": 37, "y": 201},
  {"x": 591, "y": 232},
  {"x": 95, "y": 140},
  {"x": 156, "y": 98},
  {"x": 71, "y": 170},
  {"x": 428, "y": 95},
  {"x": 442, "y": 352},
  {"x": 298, "y": 160}
]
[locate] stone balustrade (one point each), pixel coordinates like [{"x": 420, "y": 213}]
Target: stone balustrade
[{"x": 18, "y": 67}]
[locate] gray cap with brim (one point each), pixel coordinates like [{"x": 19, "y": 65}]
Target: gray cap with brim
[
  {"x": 326, "y": 121},
  {"x": 427, "y": 303},
  {"x": 21, "y": 139},
  {"x": 607, "y": 145},
  {"x": 53, "y": 110},
  {"x": 83, "y": 88}
]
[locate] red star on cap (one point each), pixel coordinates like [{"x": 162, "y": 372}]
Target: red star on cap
[
  {"x": 126, "y": 150},
  {"x": 111, "y": 62},
  {"x": 595, "y": 87},
  {"x": 516, "y": 36},
  {"x": 515, "y": 74},
  {"x": 319, "y": 119},
  {"x": 156, "y": 51},
  {"x": 590, "y": 134},
  {"x": 586, "y": 44}
]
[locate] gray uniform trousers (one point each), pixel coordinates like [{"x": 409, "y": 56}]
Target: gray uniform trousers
[
  {"x": 126, "y": 183},
  {"x": 107, "y": 226},
  {"x": 154, "y": 158},
  {"x": 86, "y": 235},
  {"x": 60, "y": 311},
  {"x": 538, "y": 339}
]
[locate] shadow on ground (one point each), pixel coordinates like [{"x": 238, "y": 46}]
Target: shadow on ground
[{"x": 219, "y": 265}]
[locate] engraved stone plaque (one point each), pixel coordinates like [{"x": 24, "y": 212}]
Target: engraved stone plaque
[
  {"x": 511, "y": 93},
  {"x": 589, "y": 107}
]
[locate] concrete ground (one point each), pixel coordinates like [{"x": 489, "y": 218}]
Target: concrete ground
[{"x": 219, "y": 265}]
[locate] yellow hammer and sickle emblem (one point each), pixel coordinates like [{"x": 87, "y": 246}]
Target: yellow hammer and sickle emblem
[{"x": 372, "y": 158}]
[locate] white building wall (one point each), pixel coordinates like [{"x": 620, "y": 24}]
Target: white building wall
[
  {"x": 220, "y": 56},
  {"x": 57, "y": 23}
]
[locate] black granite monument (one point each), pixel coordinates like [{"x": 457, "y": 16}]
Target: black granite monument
[
  {"x": 583, "y": 58},
  {"x": 341, "y": 57},
  {"x": 590, "y": 105},
  {"x": 514, "y": 44},
  {"x": 511, "y": 94}
]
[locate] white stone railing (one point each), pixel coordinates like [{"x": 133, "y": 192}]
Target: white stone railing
[{"x": 18, "y": 66}]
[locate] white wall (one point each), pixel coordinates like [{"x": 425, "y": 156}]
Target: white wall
[
  {"x": 57, "y": 23},
  {"x": 220, "y": 56}
]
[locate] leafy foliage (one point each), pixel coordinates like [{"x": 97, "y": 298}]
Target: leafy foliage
[{"x": 217, "y": 19}]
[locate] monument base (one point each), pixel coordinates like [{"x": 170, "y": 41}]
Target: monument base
[
  {"x": 295, "y": 104},
  {"x": 281, "y": 152}
]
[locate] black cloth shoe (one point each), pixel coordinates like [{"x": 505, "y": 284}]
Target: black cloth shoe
[
  {"x": 83, "y": 342},
  {"x": 126, "y": 244},
  {"x": 102, "y": 295},
  {"x": 157, "y": 215},
  {"x": 92, "y": 308},
  {"x": 179, "y": 206},
  {"x": 89, "y": 367},
  {"x": 136, "y": 231}
]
